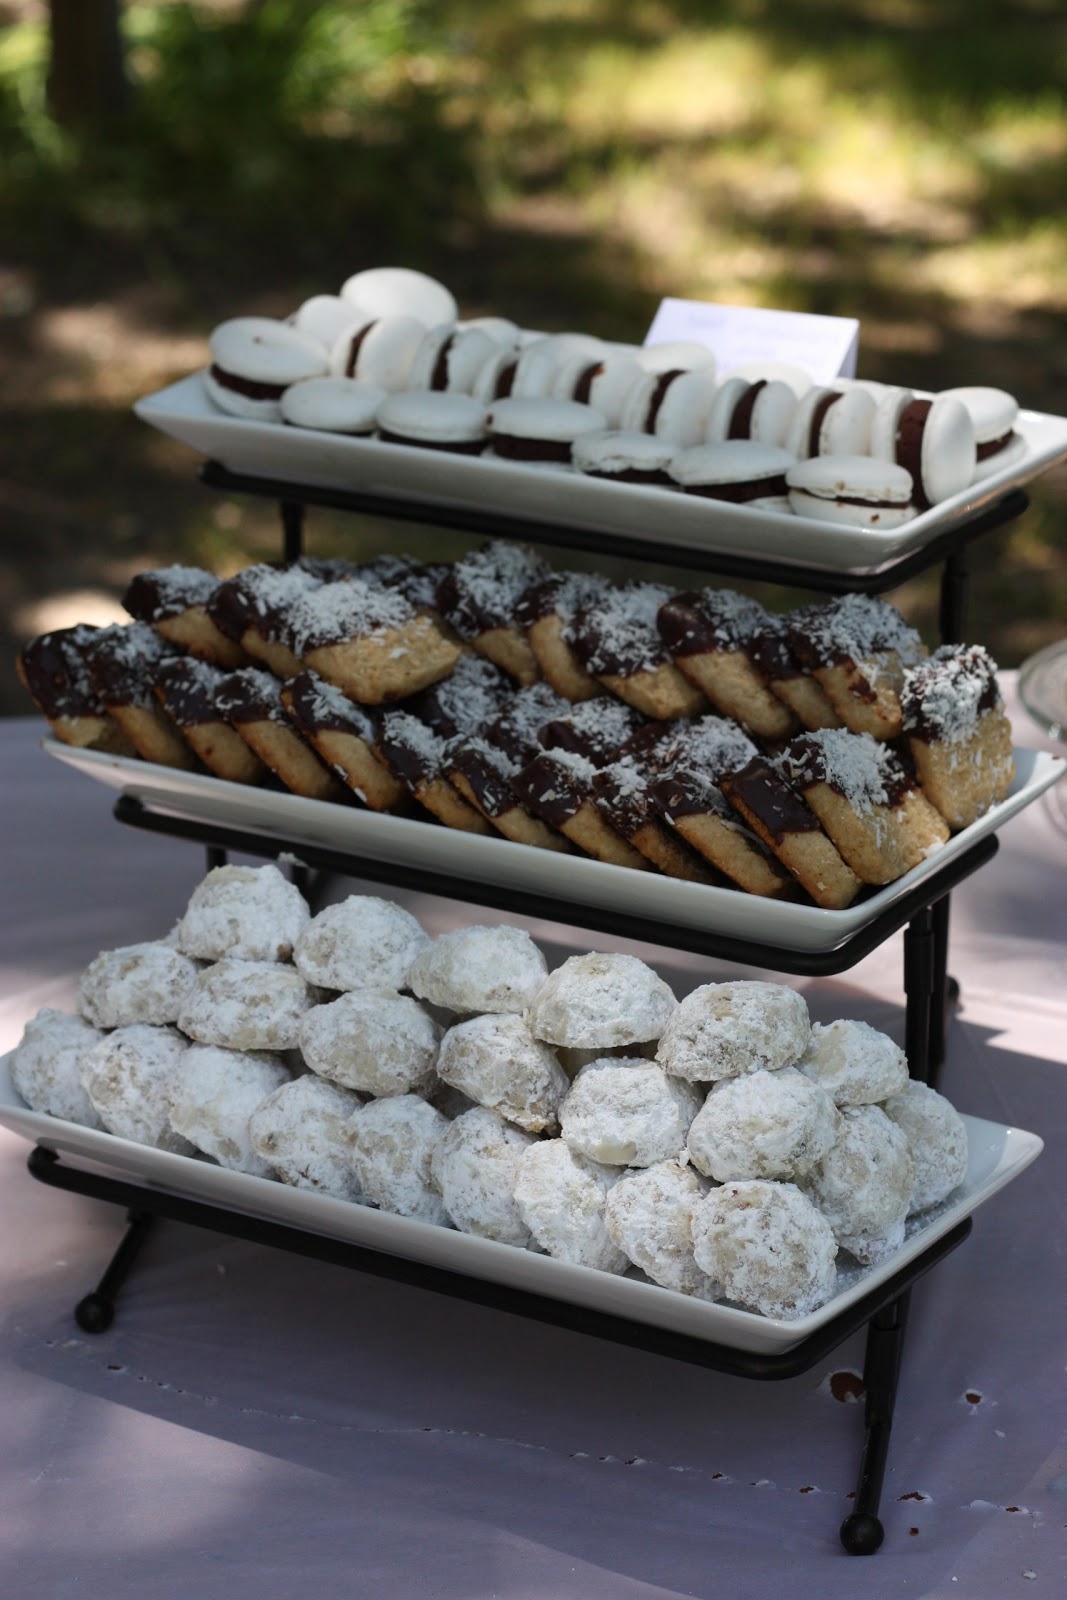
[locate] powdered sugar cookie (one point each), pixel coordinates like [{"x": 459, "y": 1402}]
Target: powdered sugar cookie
[
  {"x": 135, "y": 983},
  {"x": 863, "y": 1184},
  {"x": 128, "y": 1077},
  {"x": 479, "y": 969},
  {"x": 496, "y": 1060},
  {"x": 359, "y": 943},
  {"x": 723, "y": 1029},
  {"x": 854, "y": 1063},
  {"x": 390, "y": 1145},
  {"x": 46, "y": 1065},
  {"x": 213, "y": 1096},
  {"x": 245, "y": 913},
  {"x": 937, "y": 1140},
  {"x": 300, "y": 1130},
  {"x": 561, "y": 1198},
  {"x": 246, "y": 1005},
  {"x": 649, "y": 1214},
  {"x": 374, "y": 1040},
  {"x": 474, "y": 1167},
  {"x": 627, "y": 1112},
  {"x": 768, "y": 1246},
  {"x": 763, "y": 1125},
  {"x": 601, "y": 1000}
]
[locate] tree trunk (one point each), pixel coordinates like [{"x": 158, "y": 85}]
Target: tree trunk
[{"x": 86, "y": 79}]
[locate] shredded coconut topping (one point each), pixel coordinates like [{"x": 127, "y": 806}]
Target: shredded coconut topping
[
  {"x": 336, "y": 612},
  {"x": 620, "y": 633},
  {"x": 865, "y": 772},
  {"x": 733, "y": 618},
  {"x": 854, "y": 627},
  {"x": 483, "y": 588},
  {"x": 713, "y": 746},
  {"x": 945, "y": 694}
]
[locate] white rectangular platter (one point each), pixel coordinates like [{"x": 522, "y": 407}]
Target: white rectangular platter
[
  {"x": 481, "y": 859},
  {"x": 567, "y": 498},
  {"x": 996, "y": 1155}
]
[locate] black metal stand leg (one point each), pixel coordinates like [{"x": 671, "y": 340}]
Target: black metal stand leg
[
  {"x": 919, "y": 991},
  {"x": 96, "y": 1312},
  {"x": 862, "y": 1532},
  {"x": 953, "y": 607},
  {"x": 292, "y": 529},
  {"x": 946, "y": 990}
]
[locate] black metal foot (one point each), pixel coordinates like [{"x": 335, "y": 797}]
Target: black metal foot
[
  {"x": 862, "y": 1534},
  {"x": 96, "y": 1311},
  {"x": 94, "y": 1314}
]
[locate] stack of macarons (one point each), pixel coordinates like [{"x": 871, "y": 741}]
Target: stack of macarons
[{"x": 389, "y": 357}]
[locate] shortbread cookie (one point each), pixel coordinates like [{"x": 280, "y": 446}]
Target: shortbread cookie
[
  {"x": 474, "y": 1167},
  {"x": 627, "y": 1112},
  {"x": 478, "y": 597},
  {"x": 857, "y": 647},
  {"x": 46, "y": 1065},
  {"x": 545, "y": 610},
  {"x": 561, "y": 1199},
  {"x": 649, "y": 1213},
  {"x": 484, "y": 776},
  {"x": 617, "y": 641},
  {"x": 213, "y": 1096},
  {"x": 186, "y": 688},
  {"x": 854, "y": 1063},
  {"x": 768, "y": 1246},
  {"x": 369, "y": 641},
  {"x": 122, "y": 662},
  {"x": 415, "y": 755},
  {"x": 775, "y": 659},
  {"x": 479, "y": 969},
  {"x": 597, "y": 729},
  {"x": 707, "y": 635},
  {"x": 722, "y": 1030},
  {"x": 601, "y": 1000},
  {"x": 374, "y": 1040},
  {"x": 252, "y": 610},
  {"x": 390, "y": 1147},
  {"x": 245, "y": 913},
  {"x": 623, "y": 794},
  {"x": 135, "y": 983},
  {"x": 362, "y": 942},
  {"x": 175, "y": 601},
  {"x": 937, "y": 1141},
  {"x": 789, "y": 828},
  {"x": 54, "y": 671},
  {"x": 342, "y": 734},
  {"x": 763, "y": 1125},
  {"x": 558, "y": 786},
  {"x": 496, "y": 1061},
  {"x": 246, "y": 1005},
  {"x": 473, "y": 695},
  {"x": 958, "y": 732},
  {"x": 129, "y": 1078},
  {"x": 866, "y": 800},
  {"x": 863, "y": 1185},
  {"x": 250, "y": 700},
  {"x": 300, "y": 1130}
]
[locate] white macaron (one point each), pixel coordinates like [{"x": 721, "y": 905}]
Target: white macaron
[
  {"x": 333, "y": 405},
  {"x": 857, "y": 490},
  {"x": 932, "y": 439},
  {"x": 736, "y": 470},
  {"x": 539, "y": 430},
  {"x": 325, "y": 317},
  {"x": 601, "y": 381},
  {"x": 761, "y": 411},
  {"x": 380, "y": 351},
  {"x": 831, "y": 422},
  {"x": 674, "y": 405},
  {"x": 253, "y": 362},
  {"x": 525, "y": 374},
  {"x": 624, "y": 457},
  {"x": 433, "y": 420},
  {"x": 688, "y": 354},
  {"x": 400, "y": 292},
  {"x": 994, "y": 413},
  {"x": 781, "y": 371},
  {"x": 450, "y": 357},
  {"x": 501, "y": 330}
]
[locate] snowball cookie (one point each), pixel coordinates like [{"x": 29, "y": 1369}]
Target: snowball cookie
[
  {"x": 600, "y": 1001},
  {"x": 300, "y": 1129},
  {"x": 390, "y": 1146},
  {"x": 129, "y": 1076},
  {"x": 626, "y": 1112},
  {"x": 136, "y": 983},
  {"x": 764, "y": 1125},
  {"x": 477, "y": 969},
  {"x": 863, "y": 1184},
  {"x": 246, "y": 913},
  {"x": 46, "y": 1066},
  {"x": 360, "y": 943},
  {"x": 496, "y": 1060},
  {"x": 724, "y": 1029},
  {"x": 246, "y": 1005},
  {"x": 768, "y": 1246},
  {"x": 854, "y": 1063},
  {"x": 937, "y": 1139},
  {"x": 649, "y": 1214},
  {"x": 214, "y": 1095},
  {"x": 372, "y": 1039},
  {"x": 561, "y": 1197},
  {"x": 474, "y": 1167}
]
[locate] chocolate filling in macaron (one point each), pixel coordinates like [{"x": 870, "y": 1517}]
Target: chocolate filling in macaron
[
  {"x": 741, "y": 421},
  {"x": 911, "y": 425}
]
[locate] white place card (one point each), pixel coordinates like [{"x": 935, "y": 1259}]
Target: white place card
[{"x": 739, "y": 336}]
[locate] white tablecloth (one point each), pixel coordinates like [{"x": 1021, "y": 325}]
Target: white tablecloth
[{"x": 255, "y": 1424}]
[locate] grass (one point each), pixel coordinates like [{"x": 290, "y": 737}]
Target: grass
[{"x": 567, "y": 162}]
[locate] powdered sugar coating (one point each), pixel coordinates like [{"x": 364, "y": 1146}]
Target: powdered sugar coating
[
  {"x": 561, "y": 1199},
  {"x": 937, "y": 1140},
  {"x": 390, "y": 1146},
  {"x": 724, "y": 1029},
  {"x": 246, "y": 1005},
  {"x": 649, "y": 1215},
  {"x": 768, "y": 1246},
  {"x": 854, "y": 1063},
  {"x": 373, "y": 1040},
  {"x": 496, "y": 1060},
  {"x": 601, "y": 1000},
  {"x": 863, "y": 1184},
  {"x": 46, "y": 1065},
  {"x": 763, "y": 1125},
  {"x": 129, "y": 1077},
  {"x": 244, "y": 913},
  {"x": 479, "y": 969},
  {"x": 213, "y": 1096},
  {"x": 135, "y": 983},
  {"x": 300, "y": 1129},
  {"x": 359, "y": 943},
  {"x": 474, "y": 1167},
  {"x": 627, "y": 1112}
]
